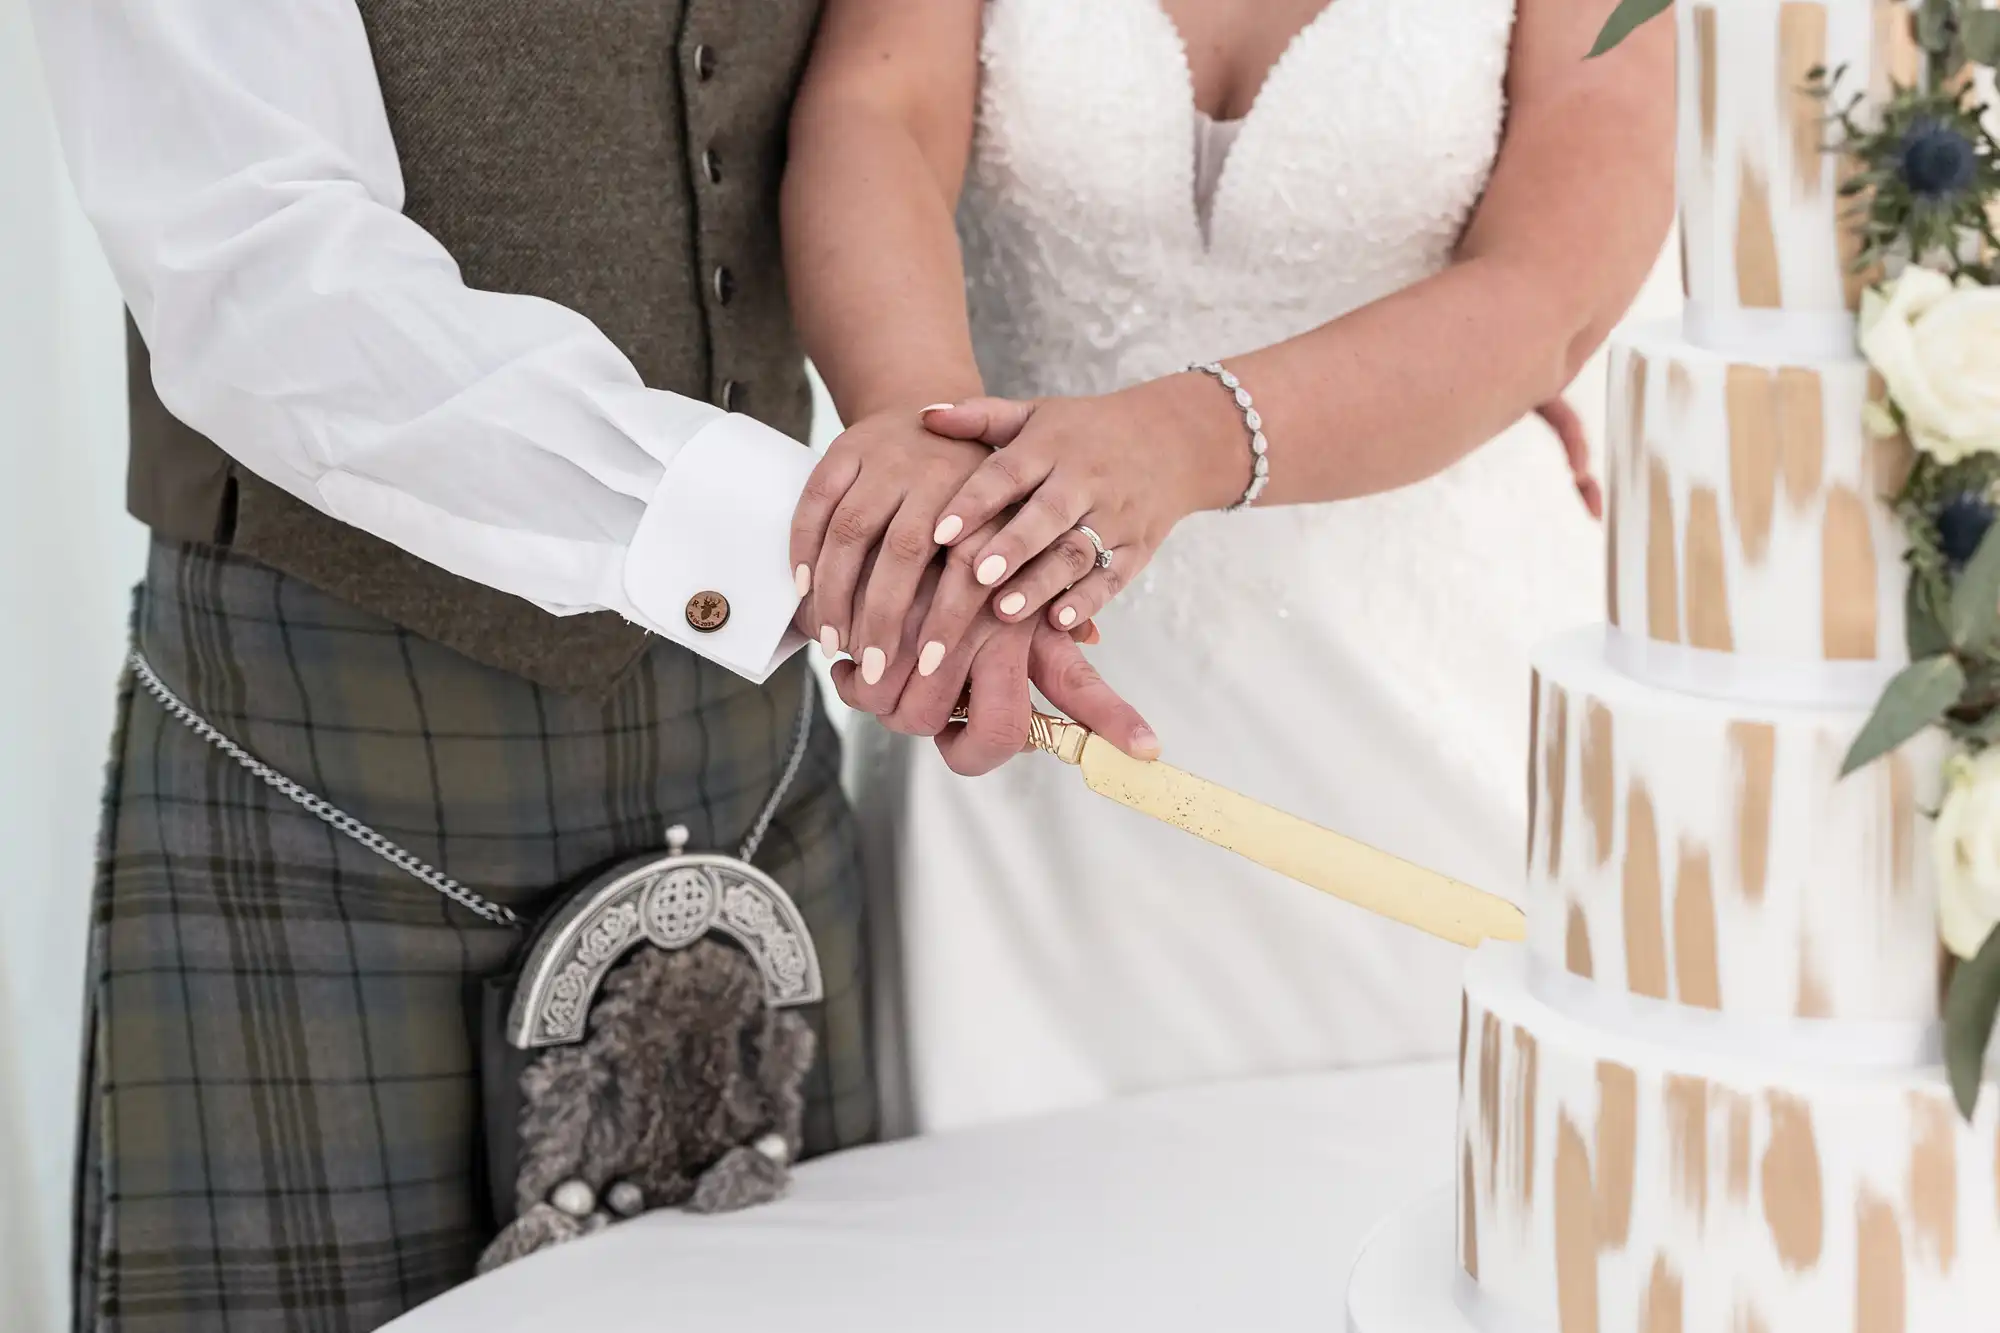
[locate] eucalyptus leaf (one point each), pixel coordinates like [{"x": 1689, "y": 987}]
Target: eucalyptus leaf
[
  {"x": 1935, "y": 22},
  {"x": 1629, "y": 15},
  {"x": 1980, "y": 29},
  {"x": 1923, "y": 633},
  {"x": 1916, "y": 698},
  {"x": 1969, "y": 1008},
  {"x": 1973, "y": 619}
]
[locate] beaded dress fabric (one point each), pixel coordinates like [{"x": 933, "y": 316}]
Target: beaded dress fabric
[{"x": 1362, "y": 664}]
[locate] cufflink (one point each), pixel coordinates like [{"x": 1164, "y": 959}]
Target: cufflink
[{"x": 707, "y": 612}]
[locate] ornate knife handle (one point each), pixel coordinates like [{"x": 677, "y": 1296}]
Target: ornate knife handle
[
  {"x": 1048, "y": 733},
  {"x": 1058, "y": 736}
]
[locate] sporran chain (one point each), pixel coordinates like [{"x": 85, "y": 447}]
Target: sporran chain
[{"x": 412, "y": 865}]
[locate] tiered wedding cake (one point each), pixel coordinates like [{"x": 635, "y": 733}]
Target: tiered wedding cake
[{"x": 1704, "y": 1096}]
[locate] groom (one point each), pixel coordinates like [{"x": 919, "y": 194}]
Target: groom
[{"x": 465, "y": 410}]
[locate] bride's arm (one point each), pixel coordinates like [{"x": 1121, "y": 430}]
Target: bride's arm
[
  {"x": 1571, "y": 222},
  {"x": 880, "y": 134}
]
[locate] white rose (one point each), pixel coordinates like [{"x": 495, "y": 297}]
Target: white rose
[
  {"x": 1937, "y": 347},
  {"x": 1966, "y": 850}
]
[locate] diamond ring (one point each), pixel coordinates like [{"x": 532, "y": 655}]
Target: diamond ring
[{"x": 1103, "y": 558}]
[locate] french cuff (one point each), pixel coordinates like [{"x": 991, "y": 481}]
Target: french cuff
[{"x": 708, "y": 566}]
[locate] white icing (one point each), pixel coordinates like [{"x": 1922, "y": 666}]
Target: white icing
[
  {"x": 1774, "y": 594},
  {"x": 1720, "y": 1247},
  {"x": 1833, "y": 914}
]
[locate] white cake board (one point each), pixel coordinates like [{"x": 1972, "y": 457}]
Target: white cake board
[{"x": 1403, "y": 1281}]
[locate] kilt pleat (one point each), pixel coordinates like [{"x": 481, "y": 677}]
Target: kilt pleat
[{"x": 279, "y": 1119}]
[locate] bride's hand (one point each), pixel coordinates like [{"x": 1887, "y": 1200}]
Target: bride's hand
[
  {"x": 1127, "y": 465},
  {"x": 1568, "y": 426}
]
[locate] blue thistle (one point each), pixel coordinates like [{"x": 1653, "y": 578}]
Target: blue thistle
[
  {"x": 1936, "y": 161},
  {"x": 1962, "y": 522}
]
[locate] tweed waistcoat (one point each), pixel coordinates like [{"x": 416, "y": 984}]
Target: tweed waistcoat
[{"x": 619, "y": 157}]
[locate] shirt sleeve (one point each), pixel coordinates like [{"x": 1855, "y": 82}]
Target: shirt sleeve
[{"x": 238, "y": 166}]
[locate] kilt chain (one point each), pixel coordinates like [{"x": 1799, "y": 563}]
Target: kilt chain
[{"x": 404, "y": 860}]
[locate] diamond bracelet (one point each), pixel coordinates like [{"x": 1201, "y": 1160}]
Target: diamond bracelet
[{"x": 1260, "y": 463}]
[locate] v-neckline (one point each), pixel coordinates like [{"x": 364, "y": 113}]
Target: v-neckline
[{"x": 1204, "y": 237}]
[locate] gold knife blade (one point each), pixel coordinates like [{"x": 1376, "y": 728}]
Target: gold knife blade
[{"x": 1330, "y": 862}]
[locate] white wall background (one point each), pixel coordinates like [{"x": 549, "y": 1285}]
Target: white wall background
[{"x": 68, "y": 556}]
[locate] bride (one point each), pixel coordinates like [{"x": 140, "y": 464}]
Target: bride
[{"x": 1399, "y": 225}]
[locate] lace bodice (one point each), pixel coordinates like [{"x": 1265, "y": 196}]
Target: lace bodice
[{"x": 1352, "y": 176}]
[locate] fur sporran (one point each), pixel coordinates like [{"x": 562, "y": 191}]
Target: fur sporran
[{"x": 644, "y": 1054}]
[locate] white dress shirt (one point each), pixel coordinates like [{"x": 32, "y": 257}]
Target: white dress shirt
[{"x": 238, "y": 165}]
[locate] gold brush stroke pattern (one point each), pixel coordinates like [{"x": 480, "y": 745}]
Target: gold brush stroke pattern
[
  {"x": 1680, "y": 391},
  {"x": 1814, "y": 1000},
  {"x": 1737, "y": 1112},
  {"x": 1751, "y": 397},
  {"x": 1556, "y": 761},
  {"x": 1468, "y": 1255},
  {"x": 1879, "y": 1284},
  {"x": 1663, "y": 1299},
  {"x": 1793, "y": 1207},
  {"x": 1934, "y": 1181},
  {"x": 1611, "y": 551},
  {"x": 1707, "y": 574},
  {"x": 1898, "y": 59},
  {"x": 1599, "y": 793},
  {"x": 1576, "y": 946},
  {"x": 1890, "y": 457},
  {"x": 1489, "y": 1096},
  {"x": 1663, "y": 621},
  {"x": 1526, "y": 1076},
  {"x": 1687, "y": 1141},
  {"x": 1748, "y": 1320},
  {"x": 1753, "y": 749},
  {"x": 1902, "y": 825},
  {"x": 1706, "y": 78},
  {"x": 1534, "y": 758},
  {"x": 1757, "y": 285},
  {"x": 1645, "y": 925},
  {"x": 1617, "y": 1152},
  {"x": 1697, "y": 973},
  {"x": 1801, "y": 433},
  {"x": 1576, "y": 1237},
  {"x": 1802, "y": 48},
  {"x": 1848, "y": 577}
]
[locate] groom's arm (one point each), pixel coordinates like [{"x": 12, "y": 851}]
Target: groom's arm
[{"x": 238, "y": 165}]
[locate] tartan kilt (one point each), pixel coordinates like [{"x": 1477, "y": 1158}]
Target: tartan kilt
[{"x": 279, "y": 1085}]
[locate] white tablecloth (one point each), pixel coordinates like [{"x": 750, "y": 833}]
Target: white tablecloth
[{"x": 1229, "y": 1209}]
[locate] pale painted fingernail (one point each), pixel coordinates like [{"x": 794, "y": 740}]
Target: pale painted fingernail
[
  {"x": 873, "y": 663},
  {"x": 1145, "y": 743},
  {"x": 948, "y": 529},
  {"x": 1011, "y": 604},
  {"x": 990, "y": 570},
  {"x": 1066, "y": 617},
  {"x": 930, "y": 659},
  {"x": 802, "y": 579},
  {"x": 829, "y": 642},
  {"x": 936, "y": 407}
]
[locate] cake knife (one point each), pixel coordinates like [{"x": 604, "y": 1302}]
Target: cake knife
[{"x": 1319, "y": 857}]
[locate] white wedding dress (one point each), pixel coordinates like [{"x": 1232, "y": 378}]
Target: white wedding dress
[{"x": 1362, "y": 664}]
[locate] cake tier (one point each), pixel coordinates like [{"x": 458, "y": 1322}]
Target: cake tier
[
  {"x": 1749, "y": 550},
  {"x": 1706, "y": 853},
  {"x": 1611, "y": 1185},
  {"x": 1765, "y": 253}
]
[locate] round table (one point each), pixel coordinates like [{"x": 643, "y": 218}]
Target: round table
[{"x": 1236, "y": 1206}]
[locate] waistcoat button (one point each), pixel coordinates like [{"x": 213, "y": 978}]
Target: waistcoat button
[
  {"x": 711, "y": 167},
  {"x": 704, "y": 62},
  {"x": 707, "y": 612},
  {"x": 729, "y": 395},
  {"x": 725, "y": 285}
]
